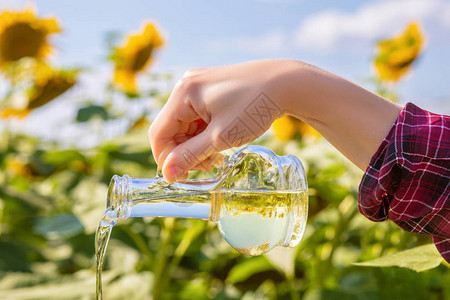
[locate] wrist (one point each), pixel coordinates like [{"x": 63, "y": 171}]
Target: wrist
[{"x": 289, "y": 85}]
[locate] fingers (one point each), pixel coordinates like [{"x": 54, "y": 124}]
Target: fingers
[
  {"x": 210, "y": 163},
  {"x": 176, "y": 118},
  {"x": 190, "y": 154},
  {"x": 162, "y": 157},
  {"x": 192, "y": 129}
]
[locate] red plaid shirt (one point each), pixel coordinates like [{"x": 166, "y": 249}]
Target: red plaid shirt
[{"x": 408, "y": 178}]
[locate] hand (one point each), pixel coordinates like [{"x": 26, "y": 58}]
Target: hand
[{"x": 213, "y": 109}]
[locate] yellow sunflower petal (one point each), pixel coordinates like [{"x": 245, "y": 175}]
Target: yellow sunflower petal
[
  {"x": 48, "y": 85},
  {"x": 306, "y": 129},
  {"x": 125, "y": 80},
  {"x": 285, "y": 128},
  {"x": 396, "y": 55},
  {"x": 18, "y": 168},
  {"x": 23, "y": 34},
  {"x": 135, "y": 56},
  {"x": 140, "y": 123},
  {"x": 10, "y": 112}
]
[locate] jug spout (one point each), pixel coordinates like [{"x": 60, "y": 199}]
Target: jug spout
[
  {"x": 154, "y": 197},
  {"x": 119, "y": 197},
  {"x": 258, "y": 199}
]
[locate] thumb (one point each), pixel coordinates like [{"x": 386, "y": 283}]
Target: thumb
[{"x": 188, "y": 155}]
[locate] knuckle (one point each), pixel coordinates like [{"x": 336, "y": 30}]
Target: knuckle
[
  {"x": 190, "y": 158},
  {"x": 193, "y": 72},
  {"x": 189, "y": 73},
  {"x": 217, "y": 139},
  {"x": 187, "y": 84}
]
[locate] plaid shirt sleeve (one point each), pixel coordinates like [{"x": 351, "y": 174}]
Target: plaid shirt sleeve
[{"x": 408, "y": 178}]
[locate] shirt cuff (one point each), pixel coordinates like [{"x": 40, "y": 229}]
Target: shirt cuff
[{"x": 408, "y": 178}]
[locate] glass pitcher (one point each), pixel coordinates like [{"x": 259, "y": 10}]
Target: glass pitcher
[{"x": 257, "y": 199}]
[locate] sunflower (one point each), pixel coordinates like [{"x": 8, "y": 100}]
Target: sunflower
[
  {"x": 18, "y": 168},
  {"x": 50, "y": 84},
  {"x": 134, "y": 56},
  {"x": 395, "y": 56},
  {"x": 22, "y": 34},
  {"x": 12, "y": 112},
  {"x": 47, "y": 85},
  {"x": 287, "y": 127},
  {"x": 140, "y": 123}
]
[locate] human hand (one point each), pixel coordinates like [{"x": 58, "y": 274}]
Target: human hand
[{"x": 213, "y": 109}]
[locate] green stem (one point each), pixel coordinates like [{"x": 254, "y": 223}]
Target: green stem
[
  {"x": 293, "y": 290},
  {"x": 1, "y": 217},
  {"x": 189, "y": 235},
  {"x": 166, "y": 235},
  {"x": 342, "y": 226},
  {"x": 340, "y": 230},
  {"x": 140, "y": 243},
  {"x": 28, "y": 197}
]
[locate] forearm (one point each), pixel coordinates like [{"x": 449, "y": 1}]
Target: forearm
[
  {"x": 227, "y": 101},
  {"x": 351, "y": 118}
]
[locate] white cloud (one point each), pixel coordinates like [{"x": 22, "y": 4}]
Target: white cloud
[
  {"x": 332, "y": 30},
  {"x": 269, "y": 43},
  {"x": 326, "y": 30}
]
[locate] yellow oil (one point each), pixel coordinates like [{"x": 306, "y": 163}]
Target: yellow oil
[
  {"x": 253, "y": 222},
  {"x": 101, "y": 242}
]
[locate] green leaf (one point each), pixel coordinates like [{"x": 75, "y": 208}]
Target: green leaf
[
  {"x": 333, "y": 171},
  {"x": 153, "y": 92},
  {"x": 247, "y": 268},
  {"x": 131, "y": 95},
  {"x": 419, "y": 259},
  {"x": 62, "y": 225},
  {"x": 267, "y": 290},
  {"x": 63, "y": 157},
  {"x": 87, "y": 113},
  {"x": 16, "y": 257},
  {"x": 135, "y": 141},
  {"x": 322, "y": 294},
  {"x": 195, "y": 289}
]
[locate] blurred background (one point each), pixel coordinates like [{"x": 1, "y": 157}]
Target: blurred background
[{"x": 81, "y": 81}]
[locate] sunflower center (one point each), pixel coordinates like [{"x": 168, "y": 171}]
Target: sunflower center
[
  {"x": 21, "y": 40},
  {"x": 142, "y": 57}
]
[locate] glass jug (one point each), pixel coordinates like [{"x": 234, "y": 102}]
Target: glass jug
[{"x": 257, "y": 199}]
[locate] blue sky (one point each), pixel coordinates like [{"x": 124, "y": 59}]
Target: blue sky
[{"x": 339, "y": 36}]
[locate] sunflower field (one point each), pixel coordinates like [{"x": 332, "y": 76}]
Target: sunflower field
[{"x": 53, "y": 191}]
